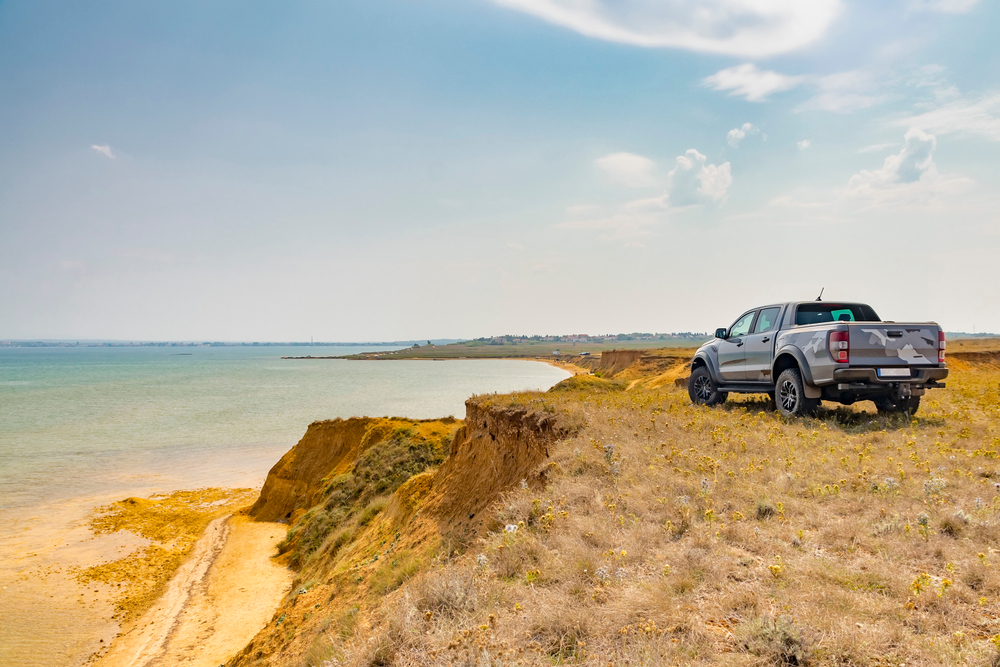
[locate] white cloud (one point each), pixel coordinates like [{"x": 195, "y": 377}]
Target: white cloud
[
  {"x": 843, "y": 92},
  {"x": 748, "y": 81},
  {"x": 629, "y": 169},
  {"x": 738, "y": 134},
  {"x": 840, "y": 92},
  {"x": 981, "y": 117},
  {"x": 804, "y": 144},
  {"x": 915, "y": 161},
  {"x": 105, "y": 151},
  {"x": 907, "y": 178},
  {"x": 694, "y": 181},
  {"x": 750, "y": 28},
  {"x": 943, "y": 6}
]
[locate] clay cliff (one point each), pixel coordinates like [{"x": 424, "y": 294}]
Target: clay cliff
[{"x": 352, "y": 545}]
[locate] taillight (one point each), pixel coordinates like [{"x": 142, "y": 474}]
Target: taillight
[
  {"x": 840, "y": 346},
  {"x": 941, "y": 346}
]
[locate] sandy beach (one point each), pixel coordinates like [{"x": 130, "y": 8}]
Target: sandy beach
[{"x": 217, "y": 600}]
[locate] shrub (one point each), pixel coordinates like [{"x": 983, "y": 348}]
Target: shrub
[
  {"x": 952, "y": 526},
  {"x": 447, "y": 591},
  {"x": 777, "y": 639},
  {"x": 765, "y": 510}
]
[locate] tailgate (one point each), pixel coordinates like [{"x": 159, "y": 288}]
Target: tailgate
[{"x": 885, "y": 344}]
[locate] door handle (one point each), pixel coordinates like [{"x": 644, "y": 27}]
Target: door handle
[
  {"x": 765, "y": 339},
  {"x": 739, "y": 344}
]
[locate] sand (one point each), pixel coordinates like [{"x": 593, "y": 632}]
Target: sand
[{"x": 216, "y": 602}]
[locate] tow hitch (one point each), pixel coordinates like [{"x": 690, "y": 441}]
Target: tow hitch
[{"x": 904, "y": 392}]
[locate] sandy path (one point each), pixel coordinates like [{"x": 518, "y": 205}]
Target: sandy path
[{"x": 216, "y": 602}]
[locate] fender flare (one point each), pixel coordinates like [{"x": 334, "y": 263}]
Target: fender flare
[
  {"x": 811, "y": 390},
  {"x": 711, "y": 364}
]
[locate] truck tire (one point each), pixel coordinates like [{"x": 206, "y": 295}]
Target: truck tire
[
  {"x": 790, "y": 395},
  {"x": 702, "y": 388},
  {"x": 888, "y": 405}
]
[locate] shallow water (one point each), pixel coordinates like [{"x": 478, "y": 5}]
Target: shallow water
[{"x": 81, "y": 427}]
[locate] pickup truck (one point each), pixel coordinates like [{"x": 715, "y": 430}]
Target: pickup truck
[{"x": 801, "y": 353}]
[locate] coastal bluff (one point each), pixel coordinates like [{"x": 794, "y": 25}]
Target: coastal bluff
[
  {"x": 372, "y": 501},
  {"x": 330, "y": 448}
]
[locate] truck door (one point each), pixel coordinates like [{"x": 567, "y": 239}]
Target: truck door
[
  {"x": 732, "y": 359},
  {"x": 759, "y": 345}
]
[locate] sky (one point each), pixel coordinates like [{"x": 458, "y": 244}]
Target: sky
[{"x": 381, "y": 170}]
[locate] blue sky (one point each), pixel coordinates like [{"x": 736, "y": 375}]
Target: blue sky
[{"x": 387, "y": 170}]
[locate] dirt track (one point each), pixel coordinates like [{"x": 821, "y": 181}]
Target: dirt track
[{"x": 218, "y": 599}]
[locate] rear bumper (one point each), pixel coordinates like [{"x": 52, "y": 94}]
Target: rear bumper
[
  {"x": 927, "y": 375},
  {"x": 850, "y": 384}
]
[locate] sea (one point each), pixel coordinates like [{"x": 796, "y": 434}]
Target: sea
[{"x": 81, "y": 427}]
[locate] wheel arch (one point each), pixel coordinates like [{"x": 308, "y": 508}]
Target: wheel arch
[
  {"x": 704, "y": 360},
  {"x": 791, "y": 357}
]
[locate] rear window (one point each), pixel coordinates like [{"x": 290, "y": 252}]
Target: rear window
[{"x": 815, "y": 313}]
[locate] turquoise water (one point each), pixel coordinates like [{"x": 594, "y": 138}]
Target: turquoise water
[
  {"x": 82, "y": 427},
  {"x": 87, "y": 421}
]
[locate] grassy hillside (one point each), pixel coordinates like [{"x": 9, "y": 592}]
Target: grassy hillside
[{"x": 657, "y": 532}]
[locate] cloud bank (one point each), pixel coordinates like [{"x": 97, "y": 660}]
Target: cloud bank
[
  {"x": 981, "y": 117},
  {"x": 748, "y": 28}
]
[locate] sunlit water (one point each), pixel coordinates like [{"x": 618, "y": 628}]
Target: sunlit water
[{"x": 80, "y": 427}]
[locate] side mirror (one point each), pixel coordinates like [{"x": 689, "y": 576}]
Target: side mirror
[{"x": 721, "y": 333}]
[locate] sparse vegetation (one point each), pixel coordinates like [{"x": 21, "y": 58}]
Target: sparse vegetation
[
  {"x": 352, "y": 499},
  {"x": 672, "y": 534}
]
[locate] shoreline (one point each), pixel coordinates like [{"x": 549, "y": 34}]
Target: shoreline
[
  {"x": 555, "y": 363},
  {"x": 215, "y": 602},
  {"x": 65, "y": 618}
]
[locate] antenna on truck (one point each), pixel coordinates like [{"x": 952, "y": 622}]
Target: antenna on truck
[{"x": 820, "y": 297}]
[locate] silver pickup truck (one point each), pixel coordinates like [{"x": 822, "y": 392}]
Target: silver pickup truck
[{"x": 800, "y": 353}]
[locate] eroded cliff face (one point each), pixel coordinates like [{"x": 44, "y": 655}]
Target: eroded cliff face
[
  {"x": 330, "y": 448},
  {"x": 365, "y": 557},
  {"x": 614, "y": 361},
  {"x": 497, "y": 448}
]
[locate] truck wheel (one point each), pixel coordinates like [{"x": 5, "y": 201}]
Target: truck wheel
[
  {"x": 791, "y": 396},
  {"x": 702, "y": 388},
  {"x": 887, "y": 405}
]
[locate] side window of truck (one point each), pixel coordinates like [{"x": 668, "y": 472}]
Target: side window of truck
[
  {"x": 767, "y": 320},
  {"x": 742, "y": 326}
]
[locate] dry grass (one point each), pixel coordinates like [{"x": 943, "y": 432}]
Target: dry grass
[{"x": 670, "y": 534}]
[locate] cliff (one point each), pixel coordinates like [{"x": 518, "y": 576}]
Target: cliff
[
  {"x": 331, "y": 448},
  {"x": 352, "y": 545}
]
